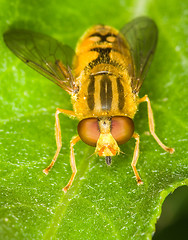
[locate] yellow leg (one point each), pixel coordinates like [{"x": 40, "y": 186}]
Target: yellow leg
[
  {"x": 72, "y": 163},
  {"x": 152, "y": 125},
  {"x": 135, "y": 158},
  {"x": 58, "y": 136}
]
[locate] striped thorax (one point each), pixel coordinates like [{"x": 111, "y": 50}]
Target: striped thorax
[{"x": 102, "y": 69}]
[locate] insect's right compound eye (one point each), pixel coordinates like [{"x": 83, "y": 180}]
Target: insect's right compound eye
[{"x": 88, "y": 131}]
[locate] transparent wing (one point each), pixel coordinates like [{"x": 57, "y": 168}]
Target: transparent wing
[
  {"x": 44, "y": 54},
  {"x": 141, "y": 35}
]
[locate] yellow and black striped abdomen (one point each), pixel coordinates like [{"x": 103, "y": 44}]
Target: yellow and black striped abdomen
[{"x": 103, "y": 69}]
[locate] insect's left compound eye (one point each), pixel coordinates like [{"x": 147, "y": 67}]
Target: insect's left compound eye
[
  {"x": 122, "y": 129},
  {"x": 88, "y": 131}
]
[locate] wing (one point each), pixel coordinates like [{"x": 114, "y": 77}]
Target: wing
[
  {"x": 141, "y": 35},
  {"x": 44, "y": 54}
]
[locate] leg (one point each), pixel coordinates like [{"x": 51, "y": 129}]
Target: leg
[
  {"x": 58, "y": 136},
  {"x": 72, "y": 162},
  {"x": 135, "y": 158},
  {"x": 152, "y": 125}
]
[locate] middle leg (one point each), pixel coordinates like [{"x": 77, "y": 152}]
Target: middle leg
[
  {"x": 58, "y": 136},
  {"x": 152, "y": 125}
]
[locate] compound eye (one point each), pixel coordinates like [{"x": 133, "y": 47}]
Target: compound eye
[
  {"x": 122, "y": 129},
  {"x": 88, "y": 131}
]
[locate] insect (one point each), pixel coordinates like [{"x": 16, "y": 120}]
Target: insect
[{"x": 103, "y": 77}]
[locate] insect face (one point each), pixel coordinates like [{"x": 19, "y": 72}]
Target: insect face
[{"x": 106, "y": 133}]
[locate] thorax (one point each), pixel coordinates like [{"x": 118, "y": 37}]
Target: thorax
[{"x": 102, "y": 70}]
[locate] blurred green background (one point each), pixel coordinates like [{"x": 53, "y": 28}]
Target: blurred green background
[{"x": 173, "y": 221}]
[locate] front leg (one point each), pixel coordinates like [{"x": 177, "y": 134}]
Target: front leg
[
  {"x": 58, "y": 136},
  {"x": 135, "y": 158},
  {"x": 72, "y": 162}
]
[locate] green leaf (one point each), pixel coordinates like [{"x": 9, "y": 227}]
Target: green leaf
[{"x": 104, "y": 202}]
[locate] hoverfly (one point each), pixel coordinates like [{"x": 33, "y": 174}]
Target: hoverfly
[{"x": 103, "y": 77}]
